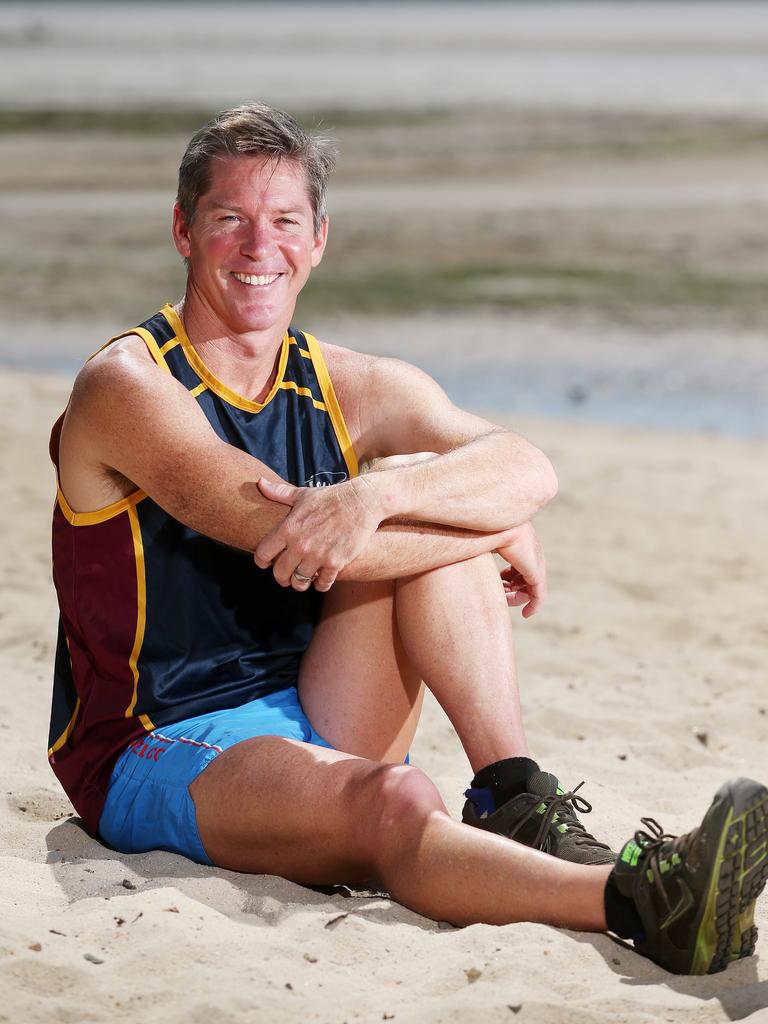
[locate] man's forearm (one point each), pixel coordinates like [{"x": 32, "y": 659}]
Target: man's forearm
[
  {"x": 494, "y": 482},
  {"x": 404, "y": 548}
]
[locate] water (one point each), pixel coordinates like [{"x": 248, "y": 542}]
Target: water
[
  {"x": 656, "y": 57},
  {"x": 694, "y": 58},
  {"x": 694, "y": 379}
]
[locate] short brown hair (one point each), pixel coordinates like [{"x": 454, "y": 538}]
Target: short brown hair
[{"x": 255, "y": 129}]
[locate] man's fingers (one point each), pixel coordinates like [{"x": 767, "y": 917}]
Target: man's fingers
[
  {"x": 538, "y": 593},
  {"x": 268, "y": 549},
  {"x": 303, "y": 577},
  {"x": 283, "y": 567},
  {"x": 325, "y": 579},
  {"x": 286, "y": 494}
]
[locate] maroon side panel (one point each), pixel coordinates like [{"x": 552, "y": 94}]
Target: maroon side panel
[{"x": 94, "y": 571}]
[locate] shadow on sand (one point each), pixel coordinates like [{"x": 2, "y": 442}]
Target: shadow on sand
[{"x": 264, "y": 900}]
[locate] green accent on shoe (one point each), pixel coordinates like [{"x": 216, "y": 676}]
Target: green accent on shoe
[
  {"x": 544, "y": 818},
  {"x": 695, "y": 894},
  {"x": 630, "y": 852}
]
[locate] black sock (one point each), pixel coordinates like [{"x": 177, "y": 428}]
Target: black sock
[
  {"x": 621, "y": 913},
  {"x": 506, "y": 778}
]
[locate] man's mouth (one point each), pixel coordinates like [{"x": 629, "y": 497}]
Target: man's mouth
[{"x": 255, "y": 279}]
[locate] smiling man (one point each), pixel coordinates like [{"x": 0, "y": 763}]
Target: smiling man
[{"x": 247, "y": 622}]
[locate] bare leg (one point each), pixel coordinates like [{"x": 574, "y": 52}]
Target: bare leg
[
  {"x": 271, "y": 805},
  {"x": 454, "y": 626},
  {"x": 320, "y": 816},
  {"x": 360, "y": 678},
  {"x": 357, "y": 685}
]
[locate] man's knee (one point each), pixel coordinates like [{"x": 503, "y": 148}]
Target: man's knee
[{"x": 403, "y": 799}]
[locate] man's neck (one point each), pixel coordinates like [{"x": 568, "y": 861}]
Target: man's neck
[{"x": 245, "y": 362}]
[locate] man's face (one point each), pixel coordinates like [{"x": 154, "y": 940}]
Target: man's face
[{"x": 251, "y": 244}]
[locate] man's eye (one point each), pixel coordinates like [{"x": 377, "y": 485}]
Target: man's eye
[
  {"x": 287, "y": 220},
  {"x": 230, "y": 216}
]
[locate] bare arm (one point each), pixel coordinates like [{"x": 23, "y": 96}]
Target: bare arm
[
  {"x": 480, "y": 478},
  {"x": 130, "y": 424},
  {"x": 129, "y": 420},
  {"x": 483, "y": 477}
]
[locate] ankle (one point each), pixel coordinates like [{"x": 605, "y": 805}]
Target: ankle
[
  {"x": 621, "y": 914},
  {"x": 502, "y": 780}
]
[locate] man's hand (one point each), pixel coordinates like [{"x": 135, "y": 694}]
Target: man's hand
[
  {"x": 326, "y": 529},
  {"x": 525, "y": 581}
]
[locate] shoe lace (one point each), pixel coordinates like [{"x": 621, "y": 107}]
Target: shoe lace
[
  {"x": 563, "y": 806},
  {"x": 651, "y": 840}
]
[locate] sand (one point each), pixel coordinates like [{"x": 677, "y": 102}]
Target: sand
[
  {"x": 644, "y": 675},
  {"x": 490, "y": 135}
]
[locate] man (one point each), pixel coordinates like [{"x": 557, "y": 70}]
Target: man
[{"x": 257, "y": 716}]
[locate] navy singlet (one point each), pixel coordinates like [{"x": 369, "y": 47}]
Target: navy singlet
[{"x": 159, "y": 623}]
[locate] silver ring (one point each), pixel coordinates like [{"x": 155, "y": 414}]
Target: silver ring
[{"x": 301, "y": 577}]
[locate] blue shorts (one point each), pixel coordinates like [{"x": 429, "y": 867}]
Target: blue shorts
[{"x": 148, "y": 806}]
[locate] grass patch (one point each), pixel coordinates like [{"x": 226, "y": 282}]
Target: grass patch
[
  {"x": 186, "y": 120},
  {"x": 621, "y": 295},
  {"x": 139, "y": 121},
  {"x": 493, "y": 129},
  {"x": 127, "y": 278}
]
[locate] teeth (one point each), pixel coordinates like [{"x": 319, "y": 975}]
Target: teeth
[{"x": 256, "y": 278}]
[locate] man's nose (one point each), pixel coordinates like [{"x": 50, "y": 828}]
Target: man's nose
[{"x": 258, "y": 240}]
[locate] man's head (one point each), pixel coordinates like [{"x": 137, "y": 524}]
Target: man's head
[
  {"x": 260, "y": 131},
  {"x": 250, "y": 216}
]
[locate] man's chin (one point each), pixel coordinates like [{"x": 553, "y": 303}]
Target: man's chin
[{"x": 247, "y": 318}]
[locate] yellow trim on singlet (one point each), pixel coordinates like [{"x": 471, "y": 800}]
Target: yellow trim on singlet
[
  {"x": 67, "y": 732},
  {"x": 146, "y": 336},
  {"x": 332, "y": 404},
  {"x": 213, "y": 382},
  {"x": 169, "y": 345},
  {"x": 194, "y": 392},
  {"x": 100, "y": 515},
  {"x": 291, "y": 385},
  {"x": 141, "y": 606},
  {"x": 154, "y": 349},
  {"x": 302, "y": 351}
]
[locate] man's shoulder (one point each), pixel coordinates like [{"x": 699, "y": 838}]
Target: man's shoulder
[
  {"x": 343, "y": 358},
  {"x": 121, "y": 377},
  {"x": 120, "y": 365},
  {"x": 363, "y": 369},
  {"x": 127, "y": 351}
]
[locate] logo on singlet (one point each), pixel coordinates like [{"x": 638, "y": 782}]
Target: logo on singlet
[{"x": 325, "y": 479}]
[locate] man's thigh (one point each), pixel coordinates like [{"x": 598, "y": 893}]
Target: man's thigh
[
  {"x": 357, "y": 686},
  {"x": 272, "y": 805},
  {"x": 148, "y": 804}
]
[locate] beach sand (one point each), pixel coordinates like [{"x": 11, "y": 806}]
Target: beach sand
[
  {"x": 644, "y": 675},
  {"x": 596, "y": 164}
]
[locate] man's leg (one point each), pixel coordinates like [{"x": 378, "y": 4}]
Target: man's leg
[
  {"x": 450, "y": 626},
  {"x": 274, "y": 806},
  {"x": 357, "y": 685},
  {"x": 271, "y": 805},
  {"x": 360, "y": 678}
]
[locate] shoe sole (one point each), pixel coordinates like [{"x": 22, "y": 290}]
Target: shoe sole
[{"x": 727, "y": 931}]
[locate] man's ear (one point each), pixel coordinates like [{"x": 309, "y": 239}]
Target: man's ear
[
  {"x": 319, "y": 243},
  {"x": 180, "y": 232}
]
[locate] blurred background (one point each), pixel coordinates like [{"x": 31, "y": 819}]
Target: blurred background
[{"x": 557, "y": 209}]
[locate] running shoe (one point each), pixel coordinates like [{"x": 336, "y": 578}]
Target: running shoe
[
  {"x": 543, "y": 817},
  {"x": 695, "y": 894}
]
